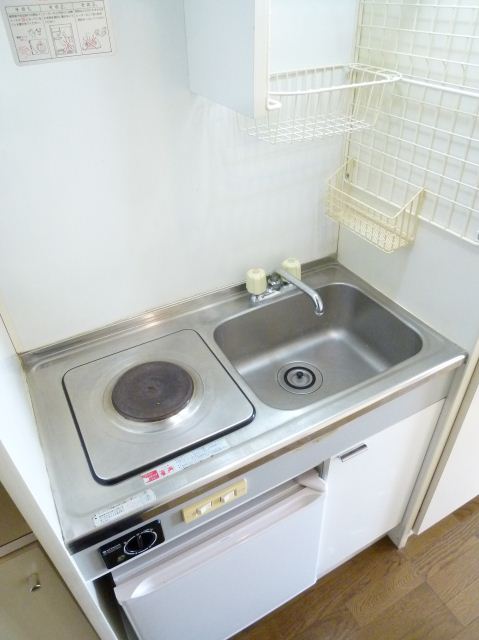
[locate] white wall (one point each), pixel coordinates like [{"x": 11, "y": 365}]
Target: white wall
[
  {"x": 435, "y": 279},
  {"x": 121, "y": 191}
]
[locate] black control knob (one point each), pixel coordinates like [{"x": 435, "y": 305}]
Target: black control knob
[
  {"x": 140, "y": 542},
  {"x": 131, "y": 544}
]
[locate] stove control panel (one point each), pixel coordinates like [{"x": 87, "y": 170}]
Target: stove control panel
[
  {"x": 215, "y": 501},
  {"x": 132, "y": 544}
]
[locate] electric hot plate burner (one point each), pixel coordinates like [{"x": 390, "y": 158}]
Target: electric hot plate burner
[
  {"x": 145, "y": 405},
  {"x": 152, "y": 391}
]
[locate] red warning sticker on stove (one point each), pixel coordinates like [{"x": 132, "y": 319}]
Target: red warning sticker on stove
[
  {"x": 184, "y": 461},
  {"x": 151, "y": 476},
  {"x": 158, "y": 473}
]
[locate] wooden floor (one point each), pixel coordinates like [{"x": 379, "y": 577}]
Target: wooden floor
[{"x": 428, "y": 591}]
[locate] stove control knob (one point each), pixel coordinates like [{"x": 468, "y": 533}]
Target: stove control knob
[
  {"x": 140, "y": 542},
  {"x": 131, "y": 544}
]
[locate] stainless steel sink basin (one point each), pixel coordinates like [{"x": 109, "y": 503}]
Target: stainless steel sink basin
[{"x": 291, "y": 358}]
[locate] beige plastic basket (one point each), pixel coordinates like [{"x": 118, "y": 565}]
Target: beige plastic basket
[
  {"x": 375, "y": 205},
  {"x": 316, "y": 103}
]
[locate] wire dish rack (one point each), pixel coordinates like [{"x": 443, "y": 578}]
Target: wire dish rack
[
  {"x": 311, "y": 104},
  {"x": 375, "y": 205},
  {"x": 427, "y": 131}
]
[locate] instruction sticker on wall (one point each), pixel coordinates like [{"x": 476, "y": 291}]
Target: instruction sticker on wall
[{"x": 47, "y": 31}]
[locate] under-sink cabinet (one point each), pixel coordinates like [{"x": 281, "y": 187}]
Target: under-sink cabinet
[{"x": 369, "y": 485}]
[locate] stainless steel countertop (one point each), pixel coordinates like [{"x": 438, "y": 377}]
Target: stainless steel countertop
[{"x": 78, "y": 496}]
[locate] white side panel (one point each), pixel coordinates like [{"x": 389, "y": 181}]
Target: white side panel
[
  {"x": 459, "y": 481},
  {"x": 19, "y": 435},
  {"x": 23, "y": 474},
  {"x": 368, "y": 493},
  {"x": 225, "y": 584},
  {"x": 228, "y": 52}
]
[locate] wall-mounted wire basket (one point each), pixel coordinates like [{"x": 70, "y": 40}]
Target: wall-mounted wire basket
[
  {"x": 426, "y": 39},
  {"x": 374, "y": 205},
  {"x": 316, "y": 103},
  {"x": 428, "y": 130}
]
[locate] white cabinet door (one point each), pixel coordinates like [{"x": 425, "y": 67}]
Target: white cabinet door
[
  {"x": 370, "y": 484},
  {"x": 45, "y": 613},
  {"x": 224, "y": 584}
]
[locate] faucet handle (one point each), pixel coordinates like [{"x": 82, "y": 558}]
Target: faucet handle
[
  {"x": 292, "y": 266},
  {"x": 256, "y": 281}
]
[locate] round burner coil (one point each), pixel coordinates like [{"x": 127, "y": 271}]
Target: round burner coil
[{"x": 152, "y": 391}]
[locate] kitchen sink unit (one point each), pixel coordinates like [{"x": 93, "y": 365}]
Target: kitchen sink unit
[
  {"x": 166, "y": 432},
  {"x": 365, "y": 348},
  {"x": 192, "y": 440}
]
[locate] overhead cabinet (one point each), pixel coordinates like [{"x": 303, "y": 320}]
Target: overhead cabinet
[
  {"x": 228, "y": 52},
  {"x": 281, "y": 65}
]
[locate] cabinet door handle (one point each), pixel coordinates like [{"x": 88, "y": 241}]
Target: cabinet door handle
[
  {"x": 361, "y": 448},
  {"x": 34, "y": 583}
]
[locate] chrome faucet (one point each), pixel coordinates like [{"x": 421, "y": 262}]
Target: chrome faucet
[
  {"x": 309, "y": 291},
  {"x": 280, "y": 279}
]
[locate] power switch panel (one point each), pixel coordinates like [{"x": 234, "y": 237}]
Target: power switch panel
[
  {"x": 215, "y": 501},
  {"x": 227, "y": 497},
  {"x": 200, "y": 511}
]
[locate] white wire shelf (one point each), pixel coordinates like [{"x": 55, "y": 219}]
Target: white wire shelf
[
  {"x": 311, "y": 104},
  {"x": 427, "y": 131},
  {"x": 428, "y": 136},
  {"x": 375, "y": 205},
  {"x": 425, "y": 39}
]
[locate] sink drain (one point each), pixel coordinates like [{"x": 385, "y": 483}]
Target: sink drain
[{"x": 300, "y": 377}]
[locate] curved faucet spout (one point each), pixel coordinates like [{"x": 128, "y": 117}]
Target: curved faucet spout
[{"x": 309, "y": 291}]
